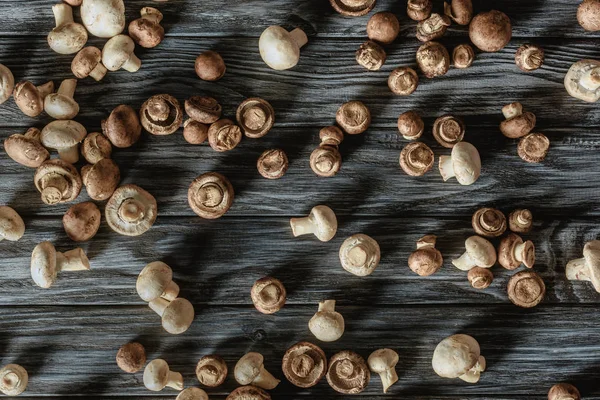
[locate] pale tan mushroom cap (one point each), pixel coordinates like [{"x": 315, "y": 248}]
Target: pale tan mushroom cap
[
  {"x": 327, "y": 326},
  {"x": 192, "y": 393},
  {"x": 12, "y": 227},
  {"x": 360, "y": 254},
  {"x": 60, "y": 107},
  {"x": 564, "y": 391},
  {"x": 68, "y": 38},
  {"x": 30, "y": 99},
  {"x": 591, "y": 253},
  {"x": 7, "y": 83},
  {"x": 57, "y": 181},
  {"x": 13, "y": 379},
  {"x": 455, "y": 355},
  {"x": 348, "y": 372},
  {"x": 211, "y": 370},
  {"x": 178, "y": 316},
  {"x": 248, "y": 368},
  {"x": 43, "y": 265},
  {"x": 277, "y": 48},
  {"x": 131, "y": 210},
  {"x": 63, "y": 135},
  {"x": 466, "y": 163},
  {"x": 588, "y": 15},
  {"x": 117, "y": 51},
  {"x": 103, "y": 18},
  {"x": 26, "y": 149},
  {"x": 481, "y": 251},
  {"x": 268, "y": 295},
  {"x": 153, "y": 280},
  {"x": 156, "y": 374},
  {"x": 248, "y": 392},
  {"x": 578, "y": 82},
  {"x": 382, "y": 359}
]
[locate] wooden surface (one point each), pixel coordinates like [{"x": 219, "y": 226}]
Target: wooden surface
[{"x": 67, "y": 336}]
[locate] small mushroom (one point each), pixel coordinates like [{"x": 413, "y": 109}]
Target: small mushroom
[
  {"x": 12, "y": 227},
  {"x": 88, "y": 62},
  {"x": 272, "y": 164},
  {"x": 30, "y": 98},
  {"x": 459, "y": 356},
  {"x": 26, "y": 149},
  {"x": 146, "y": 31},
  {"x": 479, "y": 252},
  {"x": 582, "y": 81},
  {"x": 383, "y": 362},
  {"x": 464, "y": 164},
  {"x": 403, "y": 81},
  {"x": 586, "y": 268},
  {"x": 371, "y": 55},
  {"x": 463, "y": 56},
  {"x": 480, "y": 278},
  {"x": 383, "y": 27},
  {"x": 82, "y": 221},
  {"x": 210, "y": 66},
  {"x": 156, "y": 280},
  {"x": 118, "y": 53},
  {"x": 60, "y": 105},
  {"x": 192, "y": 393},
  {"x": 203, "y": 109},
  {"x": 131, "y": 357},
  {"x": 517, "y": 123},
  {"x": 122, "y": 127},
  {"x": 489, "y": 222},
  {"x": 433, "y": 27},
  {"x": 526, "y": 289},
  {"x": 161, "y": 114},
  {"x": 512, "y": 251},
  {"x": 211, "y": 371},
  {"x": 461, "y": 11},
  {"x": 13, "y": 379},
  {"x": 588, "y": 15},
  {"x": 194, "y": 132},
  {"x": 564, "y": 391},
  {"x": 426, "y": 260},
  {"x": 360, "y": 254},
  {"x": 67, "y": 37},
  {"x": 248, "y": 392},
  {"x": 95, "y": 147},
  {"x": 327, "y": 324},
  {"x": 534, "y": 147},
  {"x": 418, "y": 10},
  {"x": 448, "y": 130},
  {"x": 224, "y": 135},
  {"x": 433, "y": 59},
  {"x": 210, "y": 195},
  {"x": 64, "y": 136},
  {"x": 256, "y": 117},
  {"x": 46, "y": 263},
  {"x": 250, "y": 370},
  {"x": 353, "y": 117},
  {"x": 410, "y": 125},
  {"x": 157, "y": 376},
  {"x": 57, "y": 181},
  {"x": 304, "y": 364},
  {"x": 348, "y": 372},
  {"x": 131, "y": 210},
  {"x": 321, "y": 222},
  {"x": 268, "y": 295},
  {"x": 326, "y": 159},
  {"x": 490, "y": 31},
  {"x": 7, "y": 83},
  {"x": 103, "y": 18},
  {"x": 353, "y": 8},
  {"x": 529, "y": 57},
  {"x": 416, "y": 159},
  {"x": 279, "y": 48},
  {"x": 520, "y": 221},
  {"x": 176, "y": 315}
]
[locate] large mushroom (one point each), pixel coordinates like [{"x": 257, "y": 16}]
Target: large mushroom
[
  {"x": 176, "y": 315},
  {"x": 360, "y": 254},
  {"x": 157, "y": 376},
  {"x": 7, "y": 83},
  {"x": 161, "y": 114},
  {"x": 131, "y": 210},
  {"x": 147, "y": 31},
  {"x": 101, "y": 179},
  {"x": 156, "y": 280},
  {"x": 248, "y": 392},
  {"x": 122, "y": 127},
  {"x": 426, "y": 260},
  {"x": 88, "y": 62},
  {"x": 210, "y": 195},
  {"x": 26, "y": 149},
  {"x": 459, "y": 356},
  {"x": 46, "y": 263},
  {"x": 464, "y": 164},
  {"x": 12, "y": 227},
  {"x": 383, "y": 362},
  {"x": 13, "y": 379},
  {"x": 67, "y": 37},
  {"x": 490, "y": 31},
  {"x": 321, "y": 222},
  {"x": 279, "y": 48},
  {"x": 586, "y": 268},
  {"x": 348, "y": 372},
  {"x": 513, "y": 251},
  {"x": 57, "y": 181},
  {"x": 30, "y": 98},
  {"x": 82, "y": 221},
  {"x": 103, "y": 18},
  {"x": 64, "y": 136},
  {"x": 327, "y": 324},
  {"x": 250, "y": 370},
  {"x": 61, "y": 105},
  {"x": 582, "y": 81},
  {"x": 304, "y": 364},
  {"x": 211, "y": 371},
  {"x": 479, "y": 252},
  {"x": 118, "y": 53}
]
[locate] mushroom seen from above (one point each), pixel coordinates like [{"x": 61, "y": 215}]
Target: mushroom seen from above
[
  {"x": 131, "y": 357},
  {"x": 529, "y": 57},
  {"x": 82, "y": 221},
  {"x": 30, "y": 98},
  {"x": 176, "y": 315},
  {"x": 57, "y": 181},
  {"x": 326, "y": 159},
  {"x": 403, "y": 81},
  {"x": 588, "y": 15},
  {"x": 517, "y": 123},
  {"x": 101, "y": 179},
  {"x": 459, "y": 356},
  {"x": 321, "y": 222},
  {"x": 156, "y": 281},
  {"x": 383, "y": 27},
  {"x": 383, "y": 362},
  {"x": 564, "y": 391},
  {"x": 103, "y": 18},
  {"x": 61, "y": 105},
  {"x": 327, "y": 324},
  {"x": 46, "y": 263},
  {"x": 88, "y": 62},
  {"x": 7, "y": 83},
  {"x": 526, "y": 289},
  {"x": 211, "y": 371},
  {"x": 464, "y": 164},
  {"x": 13, "y": 379},
  {"x": 348, "y": 373},
  {"x": 192, "y": 393},
  {"x": 463, "y": 56},
  {"x": 255, "y": 117},
  {"x": 279, "y": 48},
  {"x": 64, "y": 136},
  {"x": 426, "y": 260},
  {"x": 157, "y": 376},
  {"x": 250, "y": 370},
  {"x": 533, "y": 148},
  {"x": 353, "y": 117},
  {"x": 131, "y": 210},
  {"x": 489, "y": 222},
  {"x": 147, "y": 31},
  {"x": 118, "y": 52},
  {"x": 67, "y": 37},
  {"x": 304, "y": 364},
  {"x": 410, "y": 125},
  {"x": 224, "y": 135},
  {"x": 12, "y": 227},
  {"x": 268, "y": 295},
  {"x": 479, "y": 252},
  {"x": 26, "y": 149},
  {"x": 370, "y": 55},
  {"x": 360, "y": 254},
  {"x": 490, "y": 31},
  {"x": 210, "y": 66},
  {"x": 586, "y": 268},
  {"x": 433, "y": 59}
]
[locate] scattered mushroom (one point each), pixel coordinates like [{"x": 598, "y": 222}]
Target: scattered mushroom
[
  {"x": 30, "y": 99},
  {"x": 360, "y": 254},
  {"x": 131, "y": 357},
  {"x": 327, "y": 324},
  {"x": 176, "y": 315},
  {"x": 272, "y": 164},
  {"x": 88, "y": 62},
  {"x": 95, "y": 147},
  {"x": 250, "y": 370},
  {"x": 57, "y": 181},
  {"x": 418, "y": 10},
  {"x": 348, "y": 372},
  {"x": 156, "y": 281},
  {"x": 7, "y": 83},
  {"x": 304, "y": 364},
  {"x": 12, "y": 227},
  {"x": 161, "y": 114},
  {"x": 353, "y": 117},
  {"x": 131, "y": 210},
  {"x": 64, "y": 136},
  {"x": 534, "y": 147},
  {"x": 146, "y": 31},
  {"x": 410, "y": 125},
  {"x": 103, "y": 18},
  {"x": 371, "y": 55},
  {"x": 279, "y": 48},
  {"x": 194, "y": 132},
  {"x": 588, "y": 15},
  {"x": 512, "y": 251},
  {"x": 353, "y": 8},
  {"x": 326, "y": 159},
  {"x": 489, "y": 222},
  {"x": 26, "y": 149},
  {"x": 463, "y": 164},
  {"x": 248, "y": 392},
  {"x": 517, "y": 123},
  {"x": 461, "y": 11},
  {"x": 582, "y": 81},
  {"x": 268, "y": 295},
  {"x": 67, "y": 37},
  {"x": 256, "y": 117},
  {"x": 383, "y": 362},
  {"x": 60, "y": 105},
  {"x": 529, "y": 57},
  {"x": 448, "y": 130},
  {"x": 210, "y": 66},
  {"x": 433, "y": 27},
  {"x": 586, "y": 268},
  {"x": 403, "y": 81},
  {"x": 479, "y": 252},
  {"x": 480, "y": 278},
  {"x": 13, "y": 379},
  {"x": 82, "y": 221},
  {"x": 383, "y": 27},
  {"x": 224, "y": 135},
  {"x": 433, "y": 59},
  {"x": 211, "y": 371},
  {"x": 463, "y": 56},
  {"x": 46, "y": 263},
  {"x": 520, "y": 221},
  {"x": 459, "y": 356},
  {"x": 490, "y": 31},
  {"x": 122, "y": 127},
  {"x": 157, "y": 376},
  {"x": 210, "y": 195},
  {"x": 203, "y": 109},
  {"x": 526, "y": 289},
  {"x": 192, "y": 393},
  {"x": 118, "y": 53},
  {"x": 426, "y": 260},
  {"x": 416, "y": 159},
  {"x": 564, "y": 391},
  {"x": 321, "y": 222}
]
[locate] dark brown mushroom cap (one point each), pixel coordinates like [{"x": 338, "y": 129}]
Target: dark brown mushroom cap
[
  {"x": 161, "y": 114},
  {"x": 131, "y": 210},
  {"x": 86, "y": 61},
  {"x": 410, "y": 125},
  {"x": 403, "y": 81},
  {"x": 272, "y": 164},
  {"x": 195, "y": 132},
  {"x": 418, "y": 10},
  {"x": 210, "y": 66},
  {"x": 353, "y": 117},
  {"x": 448, "y": 130},
  {"x": 101, "y": 179},
  {"x": 57, "y": 181},
  {"x": 426, "y": 260},
  {"x": 529, "y": 57},
  {"x": 518, "y": 125},
  {"x": 461, "y": 11},
  {"x": 433, "y": 59},
  {"x": 416, "y": 159},
  {"x": 353, "y": 8},
  {"x": 564, "y": 391},
  {"x": 526, "y": 289},
  {"x": 26, "y": 149},
  {"x": 348, "y": 372},
  {"x": 383, "y": 27},
  {"x": 248, "y": 392},
  {"x": 534, "y": 147},
  {"x": 224, "y": 135},
  {"x": 81, "y": 221},
  {"x": 490, "y": 31},
  {"x": 433, "y": 27},
  {"x": 255, "y": 117},
  {"x": 304, "y": 364},
  {"x": 268, "y": 295},
  {"x": 203, "y": 109},
  {"x": 95, "y": 147},
  {"x": 371, "y": 55},
  {"x": 210, "y": 195},
  {"x": 588, "y": 15},
  {"x": 463, "y": 56},
  {"x": 480, "y": 278},
  {"x": 489, "y": 222},
  {"x": 211, "y": 371},
  {"x": 30, "y": 99},
  {"x": 131, "y": 357},
  {"x": 146, "y": 31},
  {"x": 520, "y": 221},
  {"x": 122, "y": 127},
  {"x": 512, "y": 251}
]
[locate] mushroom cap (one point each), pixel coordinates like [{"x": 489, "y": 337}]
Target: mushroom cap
[
  {"x": 95, "y": 147},
  {"x": 278, "y": 49},
  {"x": 383, "y": 27},
  {"x": 425, "y": 261},
  {"x": 117, "y": 51},
  {"x": 529, "y": 57},
  {"x": 62, "y": 134},
  {"x": 131, "y": 357},
  {"x": 192, "y": 393},
  {"x": 461, "y": 11},
  {"x": 153, "y": 280},
  {"x": 60, "y": 107},
  {"x": 156, "y": 374},
  {"x": 353, "y": 117},
  {"x": 161, "y": 114},
  {"x": 489, "y": 222},
  {"x": 249, "y": 392},
  {"x": 86, "y": 61},
  {"x": 466, "y": 163},
  {"x": 507, "y": 248},
  {"x": 353, "y": 8},
  {"x": 463, "y": 56},
  {"x": 526, "y": 289},
  {"x": 272, "y": 164},
  {"x": 591, "y": 253},
  {"x": 433, "y": 59},
  {"x": 416, "y": 159},
  {"x": 248, "y": 368},
  {"x": 122, "y": 127},
  {"x": 534, "y": 147},
  {"x": 348, "y": 372},
  {"x": 480, "y": 278},
  {"x": 360, "y": 254},
  {"x": 268, "y": 295},
  {"x": 211, "y": 371},
  {"x": 455, "y": 355},
  {"x": 304, "y": 364},
  {"x": 325, "y": 160},
  {"x": 203, "y": 109},
  {"x": 448, "y": 130},
  {"x": 26, "y": 149},
  {"x": 146, "y": 32},
  {"x": 224, "y": 135},
  {"x": 403, "y": 81},
  {"x": 7, "y": 83},
  {"x": 103, "y": 18},
  {"x": 82, "y": 221},
  {"x": 12, "y": 227},
  {"x": 433, "y": 27},
  {"x": 13, "y": 379},
  {"x": 58, "y": 169},
  {"x": 210, "y": 66},
  {"x": 382, "y": 360},
  {"x": 490, "y": 31},
  {"x": 101, "y": 179},
  {"x": 419, "y": 10},
  {"x": 371, "y": 55},
  {"x": 68, "y": 38},
  {"x": 327, "y": 326},
  {"x": 29, "y": 99},
  {"x": 410, "y": 125},
  {"x": 564, "y": 391},
  {"x": 588, "y": 15},
  {"x": 131, "y": 210},
  {"x": 178, "y": 316},
  {"x": 194, "y": 132},
  {"x": 210, "y": 195},
  {"x": 256, "y": 117},
  {"x": 519, "y": 125},
  {"x": 43, "y": 265},
  {"x": 481, "y": 251}
]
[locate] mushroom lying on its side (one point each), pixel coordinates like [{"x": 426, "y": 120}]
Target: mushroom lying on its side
[
  {"x": 279, "y": 48},
  {"x": 64, "y": 136},
  {"x": 250, "y": 370},
  {"x": 30, "y": 98},
  {"x": 156, "y": 280},
  {"x": 13, "y": 379},
  {"x": 177, "y": 315},
  {"x": 12, "y": 227},
  {"x": 67, "y": 37},
  {"x": 26, "y": 149},
  {"x": 327, "y": 324},
  {"x": 426, "y": 260},
  {"x": 118, "y": 53},
  {"x": 479, "y": 252},
  {"x": 459, "y": 356},
  {"x": 88, "y": 62},
  {"x": 517, "y": 123},
  {"x": 46, "y": 262},
  {"x": 103, "y": 18},
  {"x": 464, "y": 164},
  {"x": 95, "y": 147},
  {"x": 61, "y": 105},
  {"x": 321, "y": 222},
  {"x": 586, "y": 268},
  {"x": 383, "y": 362},
  {"x": 157, "y": 376}
]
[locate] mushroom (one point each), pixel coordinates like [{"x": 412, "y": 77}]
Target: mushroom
[
  {"x": 327, "y": 324},
  {"x": 13, "y": 379},
  {"x": 463, "y": 56},
  {"x": 203, "y": 109},
  {"x": 326, "y": 159},
  {"x": 272, "y": 164},
  {"x": 131, "y": 210},
  {"x": 131, "y": 357},
  {"x": 463, "y": 164},
  {"x": 586, "y": 268},
  {"x": 426, "y": 260},
  {"x": 60, "y": 105},
  {"x": 7, "y": 83},
  {"x": 403, "y": 81},
  {"x": 161, "y": 114},
  {"x": 529, "y": 57},
  {"x": 459, "y": 356},
  {"x": 82, "y": 221},
  {"x": 101, "y": 179},
  {"x": 192, "y": 393},
  {"x": 448, "y": 130},
  {"x": 526, "y": 289},
  {"x": 353, "y": 8},
  {"x": 12, "y": 227},
  {"x": 461, "y": 11},
  {"x": 248, "y": 392},
  {"x": 30, "y": 98},
  {"x": 210, "y": 195},
  {"x": 517, "y": 123},
  {"x": 268, "y": 295},
  {"x": 224, "y": 135},
  {"x": 156, "y": 280},
  {"x": 321, "y": 222},
  {"x": 177, "y": 315},
  {"x": 194, "y": 132},
  {"x": 57, "y": 181},
  {"x": 433, "y": 59},
  {"x": 88, "y": 62},
  {"x": 383, "y": 362},
  {"x": 118, "y": 53},
  {"x": 534, "y": 147},
  {"x": 433, "y": 27},
  {"x": 520, "y": 221},
  {"x": 64, "y": 136},
  {"x": 304, "y": 364},
  {"x": 418, "y": 10},
  {"x": 479, "y": 252},
  {"x": 512, "y": 251},
  {"x": 157, "y": 376},
  {"x": 564, "y": 391},
  {"x": 256, "y": 117},
  {"x": 26, "y": 149},
  {"x": 371, "y": 55},
  {"x": 410, "y": 125},
  {"x": 480, "y": 278},
  {"x": 353, "y": 117},
  {"x": 348, "y": 372},
  {"x": 416, "y": 159},
  {"x": 250, "y": 370},
  {"x": 279, "y": 48},
  {"x": 122, "y": 127},
  {"x": 146, "y": 31},
  {"x": 490, "y": 31},
  {"x": 67, "y": 37},
  {"x": 588, "y": 15},
  {"x": 46, "y": 263},
  {"x": 103, "y": 18},
  {"x": 489, "y": 222},
  {"x": 210, "y": 66},
  {"x": 73, "y": 3},
  {"x": 211, "y": 371},
  {"x": 383, "y": 27},
  {"x": 95, "y": 147},
  {"x": 360, "y": 254}
]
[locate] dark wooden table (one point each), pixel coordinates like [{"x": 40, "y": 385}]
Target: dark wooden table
[{"x": 67, "y": 336}]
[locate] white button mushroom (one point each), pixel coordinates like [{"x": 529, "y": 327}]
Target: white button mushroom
[
  {"x": 360, "y": 254},
  {"x": 118, "y": 53},
  {"x": 583, "y": 80},
  {"x": 327, "y": 324},
  {"x": 588, "y": 267},
  {"x": 103, "y": 18},
  {"x": 12, "y": 227},
  {"x": 64, "y": 136},
  {"x": 57, "y": 181},
  {"x": 177, "y": 315},
  {"x": 321, "y": 222},
  {"x": 13, "y": 379},
  {"x": 459, "y": 356},
  {"x": 464, "y": 164},
  {"x": 250, "y": 369},
  {"x": 26, "y": 149},
  {"x": 192, "y": 393},
  {"x": 157, "y": 376},
  {"x": 479, "y": 252},
  {"x": 67, "y": 37},
  {"x": 383, "y": 362},
  {"x": 46, "y": 262},
  {"x": 131, "y": 210},
  {"x": 7, "y": 83},
  {"x": 279, "y": 48},
  {"x": 156, "y": 280},
  {"x": 60, "y": 105}
]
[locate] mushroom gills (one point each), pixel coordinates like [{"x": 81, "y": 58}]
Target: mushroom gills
[{"x": 473, "y": 375}]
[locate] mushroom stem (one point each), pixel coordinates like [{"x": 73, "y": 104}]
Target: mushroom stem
[
  {"x": 53, "y": 186},
  {"x": 175, "y": 380},
  {"x": 388, "y": 378},
  {"x": 473, "y": 375},
  {"x": 265, "y": 380},
  {"x": 464, "y": 262},
  {"x": 577, "y": 270},
  {"x": 446, "y": 168},
  {"x": 519, "y": 251},
  {"x": 159, "y": 305},
  {"x": 99, "y": 72},
  {"x": 299, "y": 37},
  {"x": 132, "y": 64},
  {"x": 302, "y": 226},
  {"x": 67, "y": 87},
  {"x": 327, "y": 306},
  {"x": 63, "y": 14},
  {"x": 512, "y": 110},
  {"x": 69, "y": 154},
  {"x": 72, "y": 260},
  {"x": 45, "y": 89},
  {"x": 131, "y": 210}
]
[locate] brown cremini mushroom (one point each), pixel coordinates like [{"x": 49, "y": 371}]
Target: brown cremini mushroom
[
  {"x": 512, "y": 252},
  {"x": 348, "y": 372},
  {"x": 210, "y": 195},
  {"x": 131, "y": 357},
  {"x": 416, "y": 159},
  {"x": 448, "y": 130},
  {"x": 489, "y": 222},
  {"x": 146, "y": 31},
  {"x": 410, "y": 125},
  {"x": 12, "y": 227},
  {"x": 255, "y": 117},
  {"x": 61, "y": 105},
  {"x": 353, "y": 117},
  {"x": 161, "y": 114},
  {"x": 353, "y": 8},
  {"x": 279, "y": 48},
  {"x": 272, "y": 164},
  {"x": 122, "y": 127},
  {"x": 46, "y": 263},
  {"x": 64, "y": 136},
  {"x": 67, "y": 37},
  {"x": 101, "y": 179},
  {"x": 192, "y": 393},
  {"x": 464, "y": 164},
  {"x": 433, "y": 59},
  {"x": 433, "y": 27},
  {"x": 360, "y": 254},
  {"x": 157, "y": 376},
  {"x": 203, "y": 109},
  {"x": 88, "y": 62},
  {"x": 588, "y": 15},
  {"x": 520, "y": 221},
  {"x": 131, "y": 210},
  {"x": 533, "y": 147},
  {"x": 426, "y": 260},
  {"x": 517, "y": 123},
  {"x": 118, "y": 53},
  {"x": 383, "y": 27},
  {"x": 250, "y": 370},
  {"x": 321, "y": 222},
  {"x": 371, "y": 55},
  {"x": 526, "y": 289},
  {"x": 268, "y": 295},
  {"x": 490, "y": 31},
  {"x": 479, "y": 252},
  {"x": 459, "y": 356},
  {"x": 210, "y": 66},
  {"x": 480, "y": 278},
  {"x": 248, "y": 392},
  {"x": 82, "y": 221},
  {"x": 57, "y": 181},
  {"x": 194, "y": 132},
  {"x": 176, "y": 315},
  {"x": 564, "y": 391},
  {"x": 304, "y": 364},
  {"x": 463, "y": 56},
  {"x": 95, "y": 147},
  {"x": 418, "y": 10},
  {"x": 224, "y": 135},
  {"x": 103, "y": 18},
  {"x": 326, "y": 159},
  {"x": 383, "y": 362},
  {"x": 211, "y": 371},
  {"x": 327, "y": 324},
  {"x": 13, "y": 379},
  {"x": 7, "y": 83},
  {"x": 156, "y": 281},
  {"x": 30, "y": 99},
  {"x": 461, "y": 11},
  {"x": 403, "y": 81},
  {"x": 26, "y": 149},
  {"x": 529, "y": 57}
]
